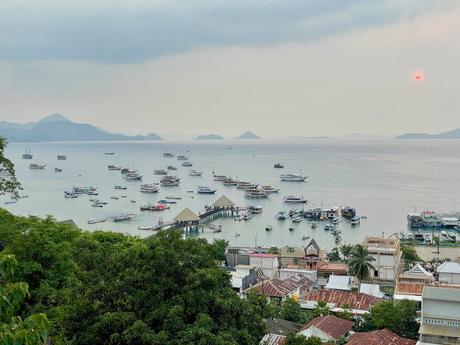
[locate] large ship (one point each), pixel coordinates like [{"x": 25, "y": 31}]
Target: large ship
[
  {"x": 294, "y": 199},
  {"x": 293, "y": 178}
]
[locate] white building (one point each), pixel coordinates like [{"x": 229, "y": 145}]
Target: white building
[
  {"x": 449, "y": 273},
  {"x": 387, "y": 255},
  {"x": 440, "y": 321},
  {"x": 267, "y": 262}
]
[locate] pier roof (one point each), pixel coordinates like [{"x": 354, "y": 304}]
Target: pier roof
[
  {"x": 223, "y": 201},
  {"x": 187, "y": 215}
]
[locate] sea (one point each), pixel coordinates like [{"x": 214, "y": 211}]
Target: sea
[{"x": 383, "y": 179}]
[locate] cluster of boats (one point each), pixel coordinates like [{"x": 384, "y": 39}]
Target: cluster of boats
[
  {"x": 431, "y": 219},
  {"x": 252, "y": 190},
  {"x": 248, "y": 213}
]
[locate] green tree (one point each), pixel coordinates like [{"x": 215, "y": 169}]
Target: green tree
[
  {"x": 334, "y": 254},
  {"x": 345, "y": 250},
  {"x": 360, "y": 262},
  {"x": 346, "y": 312},
  {"x": 292, "y": 311},
  {"x": 409, "y": 254},
  {"x": 261, "y": 305},
  {"x": 299, "y": 339},
  {"x": 8, "y": 182},
  {"x": 218, "y": 248},
  {"x": 321, "y": 309},
  {"x": 33, "y": 330}
]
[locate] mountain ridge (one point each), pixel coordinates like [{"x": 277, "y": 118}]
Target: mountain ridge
[{"x": 452, "y": 134}]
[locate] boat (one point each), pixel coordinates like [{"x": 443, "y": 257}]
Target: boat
[
  {"x": 109, "y": 153},
  {"x": 37, "y": 166},
  {"x": 113, "y": 167},
  {"x": 445, "y": 236},
  {"x": 335, "y": 220},
  {"x": 206, "y": 190},
  {"x": 182, "y": 158},
  {"x": 187, "y": 164},
  {"x": 270, "y": 189},
  {"x": 150, "y": 228},
  {"x": 256, "y": 209},
  {"x": 229, "y": 182},
  {"x": 114, "y": 197},
  {"x": 278, "y": 166},
  {"x": 238, "y": 217},
  {"x": 121, "y": 187},
  {"x": 149, "y": 188},
  {"x": 348, "y": 212},
  {"x": 256, "y": 193},
  {"x": 27, "y": 155},
  {"x": 166, "y": 201},
  {"x": 57, "y": 170},
  {"x": 314, "y": 225},
  {"x": 169, "y": 181},
  {"x": 153, "y": 207},
  {"x": 237, "y": 235},
  {"x": 218, "y": 177},
  {"x": 171, "y": 167},
  {"x": 70, "y": 195},
  {"x": 174, "y": 197},
  {"x": 194, "y": 172},
  {"x": 168, "y": 154},
  {"x": 125, "y": 170},
  {"x": 61, "y": 157},
  {"x": 123, "y": 217},
  {"x": 281, "y": 215},
  {"x": 8, "y": 202},
  {"x": 133, "y": 201},
  {"x": 247, "y": 215},
  {"x": 245, "y": 185},
  {"x": 133, "y": 176},
  {"x": 297, "y": 218},
  {"x": 304, "y": 238},
  {"x": 160, "y": 172},
  {"x": 268, "y": 228},
  {"x": 355, "y": 220},
  {"x": 291, "y": 228},
  {"x": 328, "y": 227},
  {"x": 293, "y": 178},
  {"x": 294, "y": 199},
  {"x": 98, "y": 220}
]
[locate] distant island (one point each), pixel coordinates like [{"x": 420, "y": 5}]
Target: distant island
[
  {"x": 248, "y": 135},
  {"x": 57, "y": 127},
  {"x": 209, "y": 137},
  {"x": 453, "y": 134}
]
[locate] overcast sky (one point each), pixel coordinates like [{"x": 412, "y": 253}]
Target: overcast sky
[{"x": 285, "y": 67}]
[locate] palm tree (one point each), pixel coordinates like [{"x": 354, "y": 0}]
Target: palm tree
[
  {"x": 321, "y": 309},
  {"x": 360, "y": 262}
]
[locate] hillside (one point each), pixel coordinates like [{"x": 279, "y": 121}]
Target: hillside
[
  {"x": 453, "y": 134},
  {"x": 209, "y": 137},
  {"x": 248, "y": 135}
]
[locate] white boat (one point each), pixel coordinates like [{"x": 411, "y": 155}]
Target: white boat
[
  {"x": 150, "y": 228},
  {"x": 229, "y": 182},
  {"x": 335, "y": 220},
  {"x": 168, "y": 154},
  {"x": 169, "y": 181},
  {"x": 256, "y": 193},
  {"x": 98, "y": 220},
  {"x": 113, "y": 167},
  {"x": 57, "y": 170},
  {"x": 247, "y": 215},
  {"x": 70, "y": 195},
  {"x": 109, "y": 153},
  {"x": 61, "y": 157},
  {"x": 293, "y": 178},
  {"x": 121, "y": 187},
  {"x": 218, "y": 177},
  {"x": 27, "y": 155},
  {"x": 294, "y": 199},
  {"x": 245, "y": 185},
  {"x": 270, "y": 189},
  {"x": 314, "y": 225},
  {"x": 37, "y": 166},
  {"x": 123, "y": 217},
  {"x": 281, "y": 215},
  {"x": 205, "y": 190},
  {"x": 182, "y": 158},
  {"x": 171, "y": 167},
  {"x": 238, "y": 217},
  {"x": 133, "y": 176},
  {"x": 256, "y": 209},
  {"x": 160, "y": 172},
  {"x": 187, "y": 164},
  {"x": 297, "y": 218},
  {"x": 331, "y": 227},
  {"x": 194, "y": 172},
  {"x": 8, "y": 202},
  {"x": 149, "y": 188},
  {"x": 355, "y": 220}
]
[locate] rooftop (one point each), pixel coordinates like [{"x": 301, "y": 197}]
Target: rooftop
[
  {"x": 380, "y": 337},
  {"x": 273, "y": 339},
  {"x": 371, "y": 289},
  {"x": 281, "y": 327},
  {"x": 331, "y": 325},
  {"x": 381, "y": 242},
  {"x": 282, "y": 288},
  {"x": 223, "y": 201},
  {"x": 333, "y": 267},
  {"x": 442, "y": 294},
  {"x": 417, "y": 272},
  {"x": 292, "y": 252},
  {"x": 449, "y": 267},
  {"x": 339, "y": 283},
  {"x": 263, "y": 255},
  {"x": 355, "y": 300},
  {"x": 187, "y": 215}
]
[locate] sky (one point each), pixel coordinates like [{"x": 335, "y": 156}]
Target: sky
[{"x": 277, "y": 68}]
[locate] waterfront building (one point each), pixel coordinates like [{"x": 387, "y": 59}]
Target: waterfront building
[
  {"x": 449, "y": 273},
  {"x": 387, "y": 255}
]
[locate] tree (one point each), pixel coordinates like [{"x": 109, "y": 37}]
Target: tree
[
  {"x": 292, "y": 311},
  {"x": 345, "y": 250},
  {"x": 321, "y": 309},
  {"x": 299, "y": 339},
  {"x": 8, "y": 181},
  {"x": 346, "y": 312},
  {"x": 409, "y": 254},
  {"x": 33, "y": 330},
  {"x": 334, "y": 255},
  {"x": 360, "y": 262}
]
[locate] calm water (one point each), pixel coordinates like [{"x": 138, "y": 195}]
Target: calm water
[{"x": 382, "y": 179}]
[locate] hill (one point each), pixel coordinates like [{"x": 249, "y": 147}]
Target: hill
[
  {"x": 453, "y": 134},
  {"x": 248, "y": 135},
  {"x": 57, "y": 127},
  {"x": 209, "y": 137}
]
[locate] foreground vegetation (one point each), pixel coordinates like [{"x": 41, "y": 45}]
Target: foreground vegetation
[{"x": 107, "y": 288}]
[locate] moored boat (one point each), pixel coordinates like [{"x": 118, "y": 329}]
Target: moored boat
[
  {"x": 206, "y": 190},
  {"x": 270, "y": 189},
  {"x": 27, "y": 155},
  {"x": 194, "y": 172},
  {"x": 187, "y": 164},
  {"x": 218, "y": 177},
  {"x": 113, "y": 167},
  {"x": 294, "y": 199},
  {"x": 37, "y": 166},
  {"x": 182, "y": 158},
  {"x": 61, "y": 157},
  {"x": 281, "y": 215},
  {"x": 168, "y": 154},
  {"x": 293, "y": 178},
  {"x": 160, "y": 172},
  {"x": 229, "y": 182},
  {"x": 98, "y": 220},
  {"x": 170, "y": 181},
  {"x": 153, "y": 207},
  {"x": 149, "y": 188},
  {"x": 133, "y": 176},
  {"x": 171, "y": 167},
  {"x": 278, "y": 166},
  {"x": 57, "y": 170},
  {"x": 355, "y": 220}
]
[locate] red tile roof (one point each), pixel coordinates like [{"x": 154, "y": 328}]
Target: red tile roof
[
  {"x": 331, "y": 325},
  {"x": 332, "y": 267},
  {"x": 356, "y": 300},
  {"x": 381, "y": 337}
]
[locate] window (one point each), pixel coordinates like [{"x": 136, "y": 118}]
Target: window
[{"x": 376, "y": 274}]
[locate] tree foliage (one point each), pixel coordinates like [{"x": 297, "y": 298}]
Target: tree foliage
[
  {"x": 360, "y": 262},
  {"x": 107, "y": 288},
  {"x": 409, "y": 254},
  {"x": 8, "y": 182},
  {"x": 299, "y": 339},
  {"x": 292, "y": 311}
]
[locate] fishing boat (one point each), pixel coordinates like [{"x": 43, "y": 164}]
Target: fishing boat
[
  {"x": 182, "y": 158},
  {"x": 83, "y": 189},
  {"x": 293, "y": 178},
  {"x": 256, "y": 209},
  {"x": 270, "y": 189},
  {"x": 37, "y": 166},
  {"x": 98, "y": 220},
  {"x": 170, "y": 181},
  {"x": 149, "y": 188},
  {"x": 123, "y": 217},
  {"x": 281, "y": 215},
  {"x": 229, "y": 182},
  {"x": 166, "y": 201},
  {"x": 154, "y": 207},
  {"x": 278, "y": 166},
  {"x": 268, "y": 228},
  {"x": 125, "y": 170},
  {"x": 218, "y": 177},
  {"x": 113, "y": 167},
  {"x": 57, "y": 170},
  {"x": 168, "y": 154},
  {"x": 355, "y": 220},
  {"x": 187, "y": 164},
  {"x": 27, "y": 155},
  {"x": 245, "y": 185},
  {"x": 121, "y": 187},
  {"x": 297, "y": 218},
  {"x": 256, "y": 193},
  {"x": 247, "y": 215},
  {"x": 206, "y": 190},
  {"x": 194, "y": 172},
  {"x": 160, "y": 172},
  {"x": 133, "y": 176},
  {"x": 294, "y": 199},
  {"x": 171, "y": 167},
  {"x": 61, "y": 157}
]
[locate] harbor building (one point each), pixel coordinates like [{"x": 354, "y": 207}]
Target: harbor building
[
  {"x": 387, "y": 255},
  {"x": 449, "y": 273}
]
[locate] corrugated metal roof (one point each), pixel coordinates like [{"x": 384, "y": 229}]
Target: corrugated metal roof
[
  {"x": 441, "y": 293},
  {"x": 339, "y": 283},
  {"x": 331, "y": 325},
  {"x": 448, "y": 267},
  {"x": 380, "y": 337},
  {"x": 355, "y": 300},
  {"x": 273, "y": 339}
]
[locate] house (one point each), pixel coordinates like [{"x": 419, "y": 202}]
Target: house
[
  {"x": 267, "y": 262},
  {"x": 339, "y": 283},
  {"x": 380, "y": 337},
  {"x": 410, "y": 283},
  {"x": 237, "y": 256},
  {"x": 244, "y": 276},
  {"x": 359, "y": 303},
  {"x": 292, "y": 270},
  {"x": 387, "y": 255},
  {"x": 371, "y": 289},
  {"x": 291, "y": 255},
  {"x": 279, "y": 289},
  {"x": 326, "y": 269},
  {"x": 440, "y": 317},
  {"x": 278, "y": 329},
  {"x": 273, "y": 339},
  {"x": 449, "y": 273},
  {"x": 327, "y": 328}
]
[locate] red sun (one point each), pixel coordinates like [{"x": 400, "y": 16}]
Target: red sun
[{"x": 418, "y": 76}]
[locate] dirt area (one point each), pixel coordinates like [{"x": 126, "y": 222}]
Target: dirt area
[{"x": 427, "y": 253}]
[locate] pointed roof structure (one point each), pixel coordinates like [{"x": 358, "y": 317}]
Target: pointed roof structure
[
  {"x": 223, "y": 202},
  {"x": 312, "y": 248},
  {"x": 186, "y": 215}
]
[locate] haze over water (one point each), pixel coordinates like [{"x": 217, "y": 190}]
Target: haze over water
[{"x": 382, "y": 179}]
